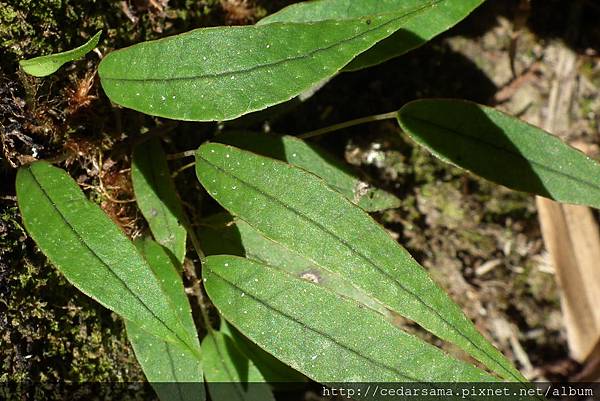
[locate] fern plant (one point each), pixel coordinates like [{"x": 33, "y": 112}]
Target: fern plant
[{"x": 305, "y": 282}]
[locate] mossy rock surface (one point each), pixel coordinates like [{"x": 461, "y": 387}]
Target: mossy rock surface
[{"x": 50, "y": 331}]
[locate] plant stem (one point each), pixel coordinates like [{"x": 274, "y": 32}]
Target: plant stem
[
  {"x": 347, "y": 124},
  {"x": 197, "y": 281},
  {"x": 181, "y": 155},
  {"x": 195, "y": 243},
  {"x": 183, "y": 168}
]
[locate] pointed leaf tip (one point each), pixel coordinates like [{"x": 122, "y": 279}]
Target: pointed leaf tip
[{"x": 46, "y": 65}]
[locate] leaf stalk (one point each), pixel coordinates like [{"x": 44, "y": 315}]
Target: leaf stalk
[{"x": 348, "y": 124}]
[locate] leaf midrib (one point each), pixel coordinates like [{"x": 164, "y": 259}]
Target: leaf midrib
[
  {"x": 314, "y": 330},
  {"x": 97, "y": 257},
  {"x": 282, "y": 61},
  {"x": 174, "y": 371},
  {"x": 366, "y": 259}
]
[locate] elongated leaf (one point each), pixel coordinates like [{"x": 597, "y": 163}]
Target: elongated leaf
[
  {"x": 93, "y": 253},
  {"x": 414, "y": 33},
  {"x": 326, "y": 337},
  {"x": 293, "y": 207},
  {"x": 317, "y": 161},
  {"x": 156, "y": 197},
  {"x": 230, "y": 375},
  {"x": 222, "y": 73},
  {"x": 174, "y": 372},
  {"x": 46, "y": 65},
  {"x": 223, "y": 234},
  {"x": 502, "y": 149}
]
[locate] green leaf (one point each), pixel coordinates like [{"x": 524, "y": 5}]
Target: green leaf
[
  {"x": 229, "y": 374},
  {"x": 45, "y": 65},
  {"x": 225, "y": 72},
  {"x": 157, "y": 198},
  {"x": 325, "y": 336},
  {"x": 502, "y": 149},
  {"x": 275, "y": 372},
  {"x": 174, "y": 372},
  {"x": 224, "y": 234},
  {"x": 413, "y": 34},
  {"x": 298, "y": 210},
  {"x": 317, "y": 161},
  {"x": 93, "y": 253}
]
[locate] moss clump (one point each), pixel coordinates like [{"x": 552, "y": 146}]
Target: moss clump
[
  {"x": 35, "y": 27},
  {"x": 60, "y": 21},
  {"x": 49, "y": 330}
]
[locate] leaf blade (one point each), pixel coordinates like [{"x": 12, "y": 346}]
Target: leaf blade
[
  {"x": 502, "y": 149},
  {"x": 157, "y": 198},
  {"x": 175, "y": 373},
  {"x": 272, "y": 369},
  {"x": 414, "y": 34},
  {"x": 46, "y": 65},
  {"x": 249, "y": 294},
  {"x": 340, "y": 237},
  {"x": 250, "y": 65},
  {"x": 91, "y": 251},
  {"x": 167, "y": 272},
  {"x": 227, "y": 235}
]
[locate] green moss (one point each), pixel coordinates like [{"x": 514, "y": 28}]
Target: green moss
[
  {"x": 22, "y": 23},
  {"x": 31, "y": 28},
  {"x": 444, "y": 201},
  {"x": 588, "y": 70},
  {"x": 51, "y": 331}
]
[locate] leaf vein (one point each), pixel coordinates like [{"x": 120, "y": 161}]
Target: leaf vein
[{"x": 314, "y": 330}]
